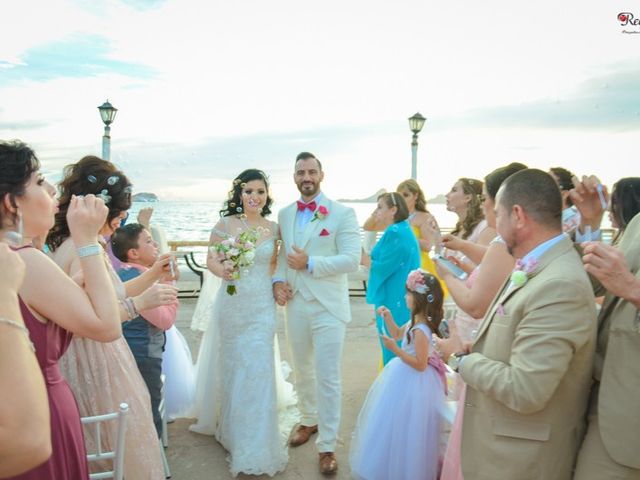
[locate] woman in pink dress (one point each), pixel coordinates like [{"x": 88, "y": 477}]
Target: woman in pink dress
[
  {"x": 472, "y": 298},
  {"x": 103, "y": 375},
  {"x": 53, "y": 306}
]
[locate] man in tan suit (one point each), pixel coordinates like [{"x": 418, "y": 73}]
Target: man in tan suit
[
  {"x": 611, "y": 448},
  {"x": 528, "y": 372}
]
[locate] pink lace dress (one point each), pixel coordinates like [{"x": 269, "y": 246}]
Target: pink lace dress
[{"x": 103, "y": 375}]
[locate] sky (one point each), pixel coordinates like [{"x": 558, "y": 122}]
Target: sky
[{"x": 205, "y": 89}]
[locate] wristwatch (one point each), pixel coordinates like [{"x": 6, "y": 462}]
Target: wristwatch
[{"x": 455, "y": 359}]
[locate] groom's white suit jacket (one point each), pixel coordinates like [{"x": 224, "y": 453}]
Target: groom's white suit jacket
[{"x": 333, "y": 246}]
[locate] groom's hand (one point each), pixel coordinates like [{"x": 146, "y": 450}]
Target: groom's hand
[{"x": 298, "y": 259}]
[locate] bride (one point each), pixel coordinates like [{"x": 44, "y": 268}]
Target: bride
[{"x": 236, "y": 392}]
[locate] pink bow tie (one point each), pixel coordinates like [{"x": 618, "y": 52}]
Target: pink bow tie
[{"x": 302, "y": 206}]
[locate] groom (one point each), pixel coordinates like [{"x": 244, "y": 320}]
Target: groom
[{"x": 321, "y": 244}]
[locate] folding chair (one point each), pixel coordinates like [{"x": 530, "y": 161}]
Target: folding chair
[
  {"x": 164, "y": 438},
  {"x": 117, "y": 454}
]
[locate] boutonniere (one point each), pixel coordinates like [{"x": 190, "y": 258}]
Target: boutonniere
[
  {"x": 520, "y": 274},
  {"x": 320, "y": 213}
]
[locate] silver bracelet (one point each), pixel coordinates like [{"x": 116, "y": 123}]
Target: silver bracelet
[
  {"x": 125, "y": 307},
  {"x": 89, "y": 250},
  {"x": 22, "y": 328},
  {"x": 130, "y": 308}
]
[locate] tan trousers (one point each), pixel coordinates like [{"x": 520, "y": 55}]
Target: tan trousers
[{"x": 594, "y": 463}]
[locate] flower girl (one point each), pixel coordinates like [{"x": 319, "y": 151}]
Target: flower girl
[{"x": 397, "y": 435}]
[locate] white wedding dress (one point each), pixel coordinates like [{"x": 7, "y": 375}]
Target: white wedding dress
[{"x": 237, "y": 396}]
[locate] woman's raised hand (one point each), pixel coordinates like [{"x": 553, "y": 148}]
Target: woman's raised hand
[
  {"x": 451, "y": 242},
  {"x": 157, "y": 295},
  {"x": 590, "y": 198},
  {"x": 86, "y": 216},
  {"x": 162, "y": 268}
]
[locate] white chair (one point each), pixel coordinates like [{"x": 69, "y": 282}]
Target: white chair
[
  {"x": 164, "y": 438},
  {"x": 162, "y": 407},
  {"x": 117, "y": 454}
]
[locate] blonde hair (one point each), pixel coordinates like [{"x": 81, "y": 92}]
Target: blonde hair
[{"x": 412, "y": 186}]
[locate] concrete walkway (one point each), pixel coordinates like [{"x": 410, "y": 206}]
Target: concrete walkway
[{"x": 193, "y": 456}]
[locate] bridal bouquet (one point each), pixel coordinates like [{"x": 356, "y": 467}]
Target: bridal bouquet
[{"x": 239, "y": 251}]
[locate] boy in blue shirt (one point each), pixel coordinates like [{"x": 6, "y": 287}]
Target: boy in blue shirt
[{"x": 133, "y": 245}]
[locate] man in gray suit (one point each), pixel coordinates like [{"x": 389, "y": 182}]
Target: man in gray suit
[{"x": 528, "y": 373}]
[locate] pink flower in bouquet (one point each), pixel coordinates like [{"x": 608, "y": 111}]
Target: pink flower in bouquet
[{"x": 237, "y": 252}]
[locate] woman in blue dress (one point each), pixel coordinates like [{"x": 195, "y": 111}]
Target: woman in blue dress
[{"x": 395, "y": 255}]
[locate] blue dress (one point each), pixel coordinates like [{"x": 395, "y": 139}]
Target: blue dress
[
  {"x": 397, "y": 434},
  {"x": 395, "y": 255}
]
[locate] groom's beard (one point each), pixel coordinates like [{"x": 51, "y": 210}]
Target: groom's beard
[{"x": 308, "y": 189}]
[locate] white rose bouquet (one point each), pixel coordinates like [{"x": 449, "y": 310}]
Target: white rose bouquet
[{"x": 239, "y": 251}]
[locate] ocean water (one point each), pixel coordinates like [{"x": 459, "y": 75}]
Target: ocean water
[{"x": 194, "y": 220}]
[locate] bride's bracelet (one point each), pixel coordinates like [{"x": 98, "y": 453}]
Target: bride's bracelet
[{"x": 22, "y": 328}]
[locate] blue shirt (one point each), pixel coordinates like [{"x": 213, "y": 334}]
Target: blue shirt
[
  {"x": 145, "y": 340},
  {"x": 541, "y": 249}
]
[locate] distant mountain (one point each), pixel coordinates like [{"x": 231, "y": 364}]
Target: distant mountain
[
  {"x": 144, "y": 197},
  {"x": 372, "y": 198}
]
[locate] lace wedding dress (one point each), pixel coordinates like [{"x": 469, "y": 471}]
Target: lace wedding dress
[{"x": 237, "y": 398}]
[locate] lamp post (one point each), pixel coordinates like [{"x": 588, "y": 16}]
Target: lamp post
[
  {"x": 416, "y": 123},
  {"x": 108, "y": 114}
]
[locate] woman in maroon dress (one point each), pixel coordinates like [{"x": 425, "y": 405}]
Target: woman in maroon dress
[{"x": 54, "y": 307}]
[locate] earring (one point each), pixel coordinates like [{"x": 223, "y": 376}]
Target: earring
[{"x": 15, "y": 237}]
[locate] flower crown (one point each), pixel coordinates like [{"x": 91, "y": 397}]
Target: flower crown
[{"x": 417, "y": 282}]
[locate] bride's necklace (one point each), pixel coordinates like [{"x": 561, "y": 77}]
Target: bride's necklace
[{"x": 261, "y": 229}]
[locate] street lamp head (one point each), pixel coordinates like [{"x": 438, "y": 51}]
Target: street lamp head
[
  {"x": 416, "y": 123},
  {"x": 107, "y": 112}
]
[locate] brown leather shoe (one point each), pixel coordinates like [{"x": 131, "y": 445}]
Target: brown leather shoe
[
  {"x": 301, "y": 434},
  {"x": 328, "y": 463}
]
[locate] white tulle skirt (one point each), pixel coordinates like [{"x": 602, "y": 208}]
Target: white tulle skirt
[
  {"x": 179, "y": 372},
  {"x": 397, "y": 434}
]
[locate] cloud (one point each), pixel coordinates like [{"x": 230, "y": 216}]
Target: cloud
[
  {"x": 25, "y": 125},
  {"x": 77, "y": 56},
  {"x": 608, "y": 102}
]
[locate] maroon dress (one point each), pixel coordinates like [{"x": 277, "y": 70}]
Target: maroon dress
[{"x": 69, "y": 457}]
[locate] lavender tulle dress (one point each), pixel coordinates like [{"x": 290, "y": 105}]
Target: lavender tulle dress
[{"x": 397, "y": 435}]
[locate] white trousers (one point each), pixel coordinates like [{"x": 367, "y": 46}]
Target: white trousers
[{"x": 315, "y": 339}]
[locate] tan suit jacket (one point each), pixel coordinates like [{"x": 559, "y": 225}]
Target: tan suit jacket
[
  {"x": 618, "y": 364},
  {"x": 529, "y": 374}
]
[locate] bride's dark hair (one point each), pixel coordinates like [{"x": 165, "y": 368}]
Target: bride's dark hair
[{"x": 233, "y": 206}]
